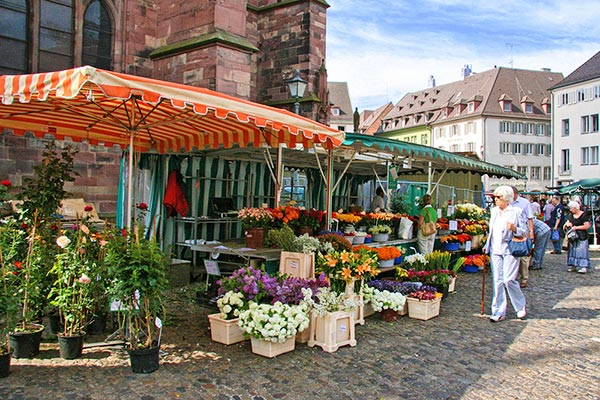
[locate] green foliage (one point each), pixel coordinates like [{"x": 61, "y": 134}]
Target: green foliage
[
  {"x": 399, "y": 205},
  {"x": 283, "y": 238},
  {"x": 136, "y": 270},
  {"x": 43, "y": 194}
]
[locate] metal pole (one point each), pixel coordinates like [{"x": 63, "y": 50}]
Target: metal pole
[{"x": 297, "y": 107}]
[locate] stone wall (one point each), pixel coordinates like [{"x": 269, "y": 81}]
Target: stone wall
[{"x": 98, "y": 168}]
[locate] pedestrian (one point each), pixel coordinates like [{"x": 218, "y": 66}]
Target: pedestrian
[
  {"x": 535, "y": 206},
  {"x": 578, "y": 252},
  {"x": 548, "y": 207},
  {"x": 527, "y": 220},
  {"x": 542, "y": 233},
  {"x": 378, "y": 204},
  {"x": 557, "y": 221},
  {"x": 427, "y": 215},
  {"x": 505, "y": 222}
]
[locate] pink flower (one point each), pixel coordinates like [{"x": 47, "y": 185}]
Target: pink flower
[{"x": 84, "y": 279}]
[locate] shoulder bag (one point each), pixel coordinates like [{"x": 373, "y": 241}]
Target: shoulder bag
[
  {"x": 519, "y": 247},
  {"x": 428, "y": 228}
]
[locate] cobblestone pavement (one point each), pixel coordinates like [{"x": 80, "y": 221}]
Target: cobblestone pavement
[{"x": 554, "y": 353}]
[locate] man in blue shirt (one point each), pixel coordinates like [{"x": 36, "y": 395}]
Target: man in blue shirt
[{"x": 556, "y": 222}]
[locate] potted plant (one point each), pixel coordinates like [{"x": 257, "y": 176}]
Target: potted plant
[
  {"x": 387, "y": 255},
  {"x": 224, "y": 325},
  {"x": 74, "y": 267},
  {"x": 137, "y": 279},
  {"x": 298, "y": 252},
  {"x": 344, "y": 268},
  {"x": 255, "y": 221},
  {"x": 389, "y": 303},
  {"x": 273, "y": 327},
  {"x": 424, "y": 303},
  {"x": 380, "y": 233},
  {"x": 336, "y": 241},
  {"x": 331, "y": 318}
]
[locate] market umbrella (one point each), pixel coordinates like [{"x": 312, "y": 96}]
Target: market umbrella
[{"x": 105, "y": 107}]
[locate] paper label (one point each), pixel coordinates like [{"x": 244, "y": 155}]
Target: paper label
[{"x": 453, "y": 225}]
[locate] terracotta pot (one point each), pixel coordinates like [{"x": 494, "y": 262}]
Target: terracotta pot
[
  {"x": 389, "y": 315},
  {"x": 301, "y": 230}
]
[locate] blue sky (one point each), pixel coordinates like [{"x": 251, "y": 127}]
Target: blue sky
[{"x": 386, "y": 48}]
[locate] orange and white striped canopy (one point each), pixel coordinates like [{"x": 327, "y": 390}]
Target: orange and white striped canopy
[{"x": 110, "y": 108}]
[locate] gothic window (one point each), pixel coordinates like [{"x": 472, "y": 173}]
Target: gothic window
[
  {"x": 97, "y": 36},
  {"x": 13, "y": 37},
  {"x": 56, "y": 35}
]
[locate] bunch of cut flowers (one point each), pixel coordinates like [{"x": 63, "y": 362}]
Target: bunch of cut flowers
[
  {"x": 425, "y": 293},
  {"x": 384, "y": 299},
  {"x": 274, "y": 322},
  {"x": 325, "y": 300},
  {"x": 254, "y": 217}
]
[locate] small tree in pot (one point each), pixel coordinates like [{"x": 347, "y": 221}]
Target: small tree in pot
[{"x": 136, "y": 270}]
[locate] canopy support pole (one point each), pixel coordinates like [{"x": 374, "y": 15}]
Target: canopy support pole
[
  {"x": 279, "y": 180},
  {"x": 328, "y": 191},
  {"x": 129, "y": 203},
  {"x": 344, "y": 172},
  {"x": 320, "y": 166}
]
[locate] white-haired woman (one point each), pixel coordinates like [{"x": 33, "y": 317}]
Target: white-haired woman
[
  {"x": 504, "y": 224},
  {"x": 578, "y": 252}
]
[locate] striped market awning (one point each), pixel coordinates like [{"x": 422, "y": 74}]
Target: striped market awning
[{"x": 110, "y": 108}]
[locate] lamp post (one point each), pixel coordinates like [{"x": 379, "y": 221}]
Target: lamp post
[{"x": 297, "y": 87}]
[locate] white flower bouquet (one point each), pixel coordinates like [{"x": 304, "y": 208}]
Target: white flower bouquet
[
  {"x": 328, "y": 301},
  {"x": 416, "y": 261},
  {"x": 231, "y": 304},
  {"x": 386, "y": 300},
  {"x": 380, "y": 229},
  {"x": 274, "y": 322}
]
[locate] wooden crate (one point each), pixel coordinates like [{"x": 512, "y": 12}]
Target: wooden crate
[
  {"x": 270, "y": 349},
  {"x": 423, "y": 309},
  {"x": 225, "y": 331},
  {"x": 332, "y": 330},
  {"x": 298, "y": 265}
]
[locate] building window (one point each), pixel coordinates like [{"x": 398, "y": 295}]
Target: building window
[
  {"x": 535, "y": 173},
  {"x": 56, "y": 35},
  {"x": 505, "y": 127},
  {"x": 528, "y": 108},
  {"x": 506, "y": 106},
  {"x": 471, "y": 147},
  {"x": 341, "y": 128},
  {"x": 585, "y": 124},
  {"x": 594, "y": 122},
  {"x": 529, "y": 148},
  {"x": 539, "y": 149},
  {"x": 517, "y": 148},
  {"x": 547, "y": 173},
  {"x": 548, "y": 150},
  {"x": 455, "y": 148},
  {"x": 469, "y": 128},
  {"x": 565, "y": 161},
  {"x": 335, "y": 111},
  {"x": 585, "y": 155},
  {"x": 13, "y": 37},
  {"x": 518, "y": 128},
  {"x": 529, "y": 128},
  {"x": 594, "y": 155},
  {"x": 424, "y": 139},
  {"x": 470, "y": 107},
  {"x": 454, "y": 130},
  {"x": 505, "y": 148},
  {"x": 522, "y": 169},
  {"x": 565, "y": 127},
  {"x": 97, "y": 36}
]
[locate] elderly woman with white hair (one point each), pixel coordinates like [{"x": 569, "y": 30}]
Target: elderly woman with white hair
[
  {"x": 578, "y": 252},
  {"x": 505, "y": 222}
]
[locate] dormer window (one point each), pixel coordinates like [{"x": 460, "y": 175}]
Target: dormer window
[
  {"x": 505, "y": 102},
  {"x": 470, "y": 107},
  {"x": 527, "y": 105},
  {"x": 335, "y": 111},
  {"x": 546, "y": 106}
]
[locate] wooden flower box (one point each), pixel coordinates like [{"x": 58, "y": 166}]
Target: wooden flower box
[
  {"x": 423, "y": 309},
  {"x": 332, "y": 330},
  {"x": 298, "y": 265},
  {"x": 404, "y": 310},
  {"x": 225, "y": 331},
  {"x": 368, "y": 310},
  {"x": 269, "y": 349}
]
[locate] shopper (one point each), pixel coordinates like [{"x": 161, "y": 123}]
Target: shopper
[
  {"x": 557, "y": 221},
  {"x": 378, "y": 204},
  {"x": 505, "y": 222},
  {"x": 427, "y": 214},
  {"x": 527, "y": 218},
  {"x": 578, "y": 252},
  {"x": 542, "y": 233}
]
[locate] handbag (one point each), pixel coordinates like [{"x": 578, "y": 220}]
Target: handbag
[
  {"x": 428, "y": 228},
  {"x": 519, "y": 247},
  {"x": 555, "y": 236},
  {"x": 572, "y": 235}
]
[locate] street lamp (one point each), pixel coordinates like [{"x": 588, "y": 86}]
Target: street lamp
[{"x": 297, "y": 87}]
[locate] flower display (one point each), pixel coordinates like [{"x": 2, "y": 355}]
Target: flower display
[
  {"x": 416, "y": 261},
  {"x": 392, "y": 286},
  {"x": 230, "y": 304},
  {"x": 380, "y": 229},
  {"x": 312, "y": 218},
  {"x": 425, "y": 293},
  {"x": 326, "y": 300},
  {"x": 457, "y": 238},
  {"x": 347, "y": 265},
  {"x": 468, "y": 211},
  {"x": 347, "y": 218},
  {"x": 255, "y": 284},
  {"x": 253, "y": 217},
  {"x": 274, "y": 322},
  {"x": 438, "y": 260},
  {"x": 475, "y": 229},
  {"x": 337, "y": 241},
  {"x": 286, "y": 214},
  {"x": 480, "y": 260}
]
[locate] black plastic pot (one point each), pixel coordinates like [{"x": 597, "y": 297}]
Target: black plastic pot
[
  {"x": 26, "y": 344},
  {"x": 55, "y": 325},
  {"x": 144, "y": 361},
  {"x": 70, "y": 347},
  {"x": 5, "y": 364},
  {"x": 98, "y": 324}
]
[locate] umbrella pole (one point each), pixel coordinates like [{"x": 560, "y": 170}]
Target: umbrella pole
[
  {"x": 483, "y": 292},
  {"x": 128, "y": 204}
]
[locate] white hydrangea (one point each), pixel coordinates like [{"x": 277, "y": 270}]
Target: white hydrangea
[
  {"x": 273, "y": 322},
  {"x": 230, "y": 304},
  {"x": 386, "y": 300}
]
